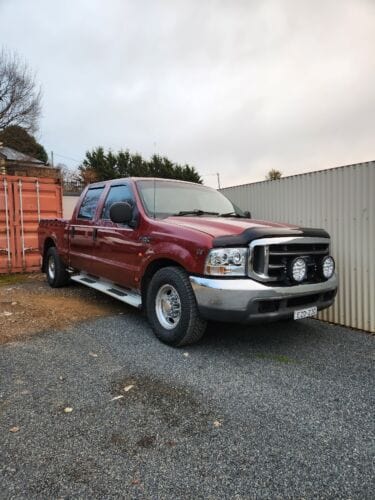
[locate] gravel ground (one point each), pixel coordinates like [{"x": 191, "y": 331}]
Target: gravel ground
[{"x": 272, "y": 411}]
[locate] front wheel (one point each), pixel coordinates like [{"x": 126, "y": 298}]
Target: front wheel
[
  {"x": 172, "y": 309},
  {"x": 56, "y": 272}
]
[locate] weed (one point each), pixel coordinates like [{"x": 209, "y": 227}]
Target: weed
[{"x": 13, "y": 279}]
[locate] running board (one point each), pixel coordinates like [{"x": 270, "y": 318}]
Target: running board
[{"x": 115, "y": 291}]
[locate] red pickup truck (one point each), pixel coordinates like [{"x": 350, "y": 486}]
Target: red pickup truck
[{"x": 186, "y": 254}]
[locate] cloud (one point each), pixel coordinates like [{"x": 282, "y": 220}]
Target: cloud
[{"x": 230, "y": 87}]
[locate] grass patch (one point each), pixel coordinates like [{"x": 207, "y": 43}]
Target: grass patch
[
  {"x": 13, "y": 279},
  {"x": 280, "y": 358}
]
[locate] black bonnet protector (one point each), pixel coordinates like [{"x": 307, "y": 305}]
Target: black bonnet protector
[{"x": 255, "y": 233}]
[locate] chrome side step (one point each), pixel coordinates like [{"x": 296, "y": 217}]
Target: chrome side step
[{"x": 115, "y": 291}]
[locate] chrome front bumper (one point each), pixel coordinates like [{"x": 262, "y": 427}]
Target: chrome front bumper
[{"x": 246, "y": 300}]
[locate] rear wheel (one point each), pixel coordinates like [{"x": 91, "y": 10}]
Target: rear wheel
[
  {"x": 57, "y": 275},
  {"x": 172, "y": 309}
]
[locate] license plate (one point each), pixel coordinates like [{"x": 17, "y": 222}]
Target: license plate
[{"x": 305, "y": 313}]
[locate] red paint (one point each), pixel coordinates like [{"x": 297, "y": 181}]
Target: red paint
[
  {"x": 220, "y": 227},
  {"x": 122, "y": 254}
]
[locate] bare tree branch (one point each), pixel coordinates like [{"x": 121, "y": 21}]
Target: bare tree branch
[{"x": 20, "y": 98}]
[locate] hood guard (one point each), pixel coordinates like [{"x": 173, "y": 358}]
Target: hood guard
[{"x": 255, "y": 233}]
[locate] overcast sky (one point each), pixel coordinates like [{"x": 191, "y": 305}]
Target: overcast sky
[{"x": 236, "y": 87}]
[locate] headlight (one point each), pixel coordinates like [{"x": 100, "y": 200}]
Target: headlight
[
  {"x": 328, "y": 267},
  {"x": 226, "y": 262},
  {"x": 298, "y": 269}
]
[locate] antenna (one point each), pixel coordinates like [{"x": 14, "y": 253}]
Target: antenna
[
  {"x": 154, "y": 197},
  {"x": 217, "y": 177}
]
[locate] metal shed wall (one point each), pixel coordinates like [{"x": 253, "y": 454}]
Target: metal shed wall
[{"x": 342, "y": 201}]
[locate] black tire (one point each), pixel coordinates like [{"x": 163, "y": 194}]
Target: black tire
[
  {"x": 190, "y": 326},
  {"x": 57, "y": 275}
]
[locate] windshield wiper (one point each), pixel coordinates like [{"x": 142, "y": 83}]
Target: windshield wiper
[
  {"x": 195, "y": 212},
  {"x": 231, "y": 214}
]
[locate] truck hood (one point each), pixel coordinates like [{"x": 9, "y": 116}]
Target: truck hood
[{"x": 233, "y": 231}]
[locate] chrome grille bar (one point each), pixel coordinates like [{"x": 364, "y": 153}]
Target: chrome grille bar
[
  {"x": 261, "y": 252},
  {"x": 299, "y": 252}
]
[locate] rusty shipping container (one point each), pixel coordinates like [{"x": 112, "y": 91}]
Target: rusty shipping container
[
  {"x": 341, "y": 200},
  {"x": 23, "y": 202}
]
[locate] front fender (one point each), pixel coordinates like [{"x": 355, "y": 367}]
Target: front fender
[{"x": 184, "y": 256}]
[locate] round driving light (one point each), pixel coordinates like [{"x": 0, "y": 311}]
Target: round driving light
[
  {"x": 298, "y": 269},
  {"x": 328, "y": 267}
]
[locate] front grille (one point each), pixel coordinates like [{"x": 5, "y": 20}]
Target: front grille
[{"x": 270, "y": 258}]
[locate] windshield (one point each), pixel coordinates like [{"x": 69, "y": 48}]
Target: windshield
[{"x": 165, "y": 198}]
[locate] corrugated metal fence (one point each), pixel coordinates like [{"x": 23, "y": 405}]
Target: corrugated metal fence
[{"x": 342, "y": 201}]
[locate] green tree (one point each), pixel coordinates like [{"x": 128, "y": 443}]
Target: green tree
[
  {"x": 99, "y": 166},
  {"x": 273, "y": 175},
  {"x": 18, "y": 138}
]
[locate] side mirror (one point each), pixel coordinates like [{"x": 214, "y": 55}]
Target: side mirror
[
  {"x": 247, "y": 214},
  {"x": 121, "y": 212}
]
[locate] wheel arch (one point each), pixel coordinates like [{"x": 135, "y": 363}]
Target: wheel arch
[
  {"x": 48, "y": 243},
  {"x": 152, "y": 268}
]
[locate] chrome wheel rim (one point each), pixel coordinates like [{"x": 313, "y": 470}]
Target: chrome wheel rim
[
  {"x": 51, "y": 267},
  {"x": 168, "y": 307}
]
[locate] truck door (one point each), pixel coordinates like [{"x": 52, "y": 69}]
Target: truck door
[
  {"x": 117, "y": 247},
  {"x": 81, "y": 232}
]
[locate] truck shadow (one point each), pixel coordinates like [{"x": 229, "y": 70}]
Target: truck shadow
[{"x": 270, "y": 335}]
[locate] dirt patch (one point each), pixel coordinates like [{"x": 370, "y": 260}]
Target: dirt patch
[
  {"x": 164, "y": 401},
  {"x": 157, "y": 416},
  {"x": 163, "y": 414},
  {"x": 29, "y": 306},
  {"x": 147, "y": 442}
]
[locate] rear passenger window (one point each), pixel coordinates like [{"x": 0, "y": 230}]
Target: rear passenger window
[
  {"x": 89, "y": 204},
  {"x": 117, "y": 193}
]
